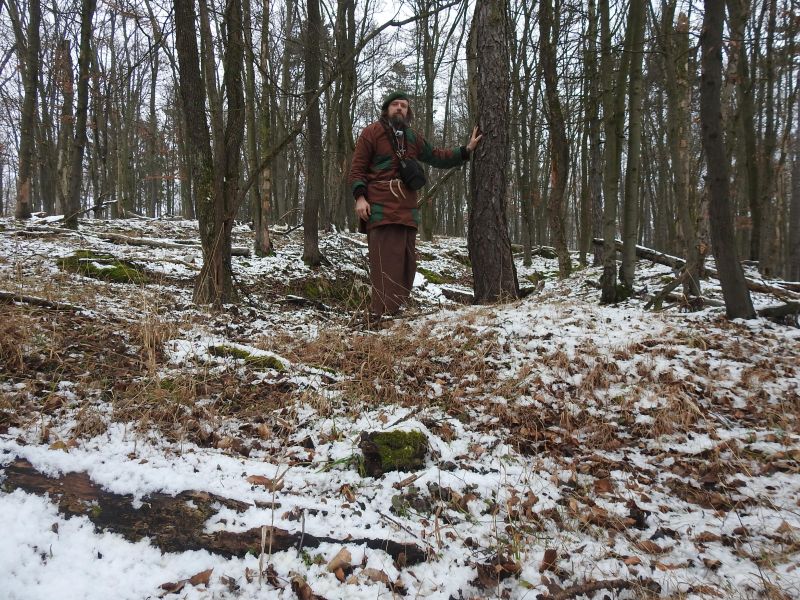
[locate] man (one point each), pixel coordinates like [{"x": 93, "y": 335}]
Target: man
[{"x": 387, "y": 207}]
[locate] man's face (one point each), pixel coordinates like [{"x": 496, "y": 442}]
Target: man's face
[{"x": 398, "y": 112}]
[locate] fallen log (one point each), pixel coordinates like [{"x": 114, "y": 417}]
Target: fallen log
[
  {"x": 676, "y": 263},
  {"x": 779, "y": 313},
  {"x": 175, "y": 523},
  {"x": 118, "y": 238},
  {"x": 34, "y": 301}
]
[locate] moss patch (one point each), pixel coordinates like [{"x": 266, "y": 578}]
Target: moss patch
[
  {"x": 100, "y": 265},
  {"x": 536, "y": 277},
  {"x": 254, "y": 360},
  {"x": 349, "y": 292},
  {"x": 434, "y": 277},
  {"x": 393, "y": 451}
]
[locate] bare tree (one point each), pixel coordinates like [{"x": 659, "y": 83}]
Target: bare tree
[
  {"x": 30, "y": 48},
  {"x": 559, "y": 146},
  {"x": 630, "y": 216},
  {"x": 493, "y": 269},
  {"x": 73, "y": 204},
  {"x": 734, "y": 287},
  {"x": 315, "y": 183}
]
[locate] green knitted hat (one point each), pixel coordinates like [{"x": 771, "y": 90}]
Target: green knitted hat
[{"x": 391, "y": 97}]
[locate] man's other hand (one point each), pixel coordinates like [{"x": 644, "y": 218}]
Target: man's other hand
[
  {"x": 362, "y": 208},
  {"x": 473, "y": 141}
]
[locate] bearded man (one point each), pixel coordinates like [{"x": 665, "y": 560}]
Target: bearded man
[{"x": 385, "y": 204}]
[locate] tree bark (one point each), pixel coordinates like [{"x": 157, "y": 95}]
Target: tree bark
[
  {"x": 30, "y": 78},
  {"x": 494, "y": 273},
  {"x": 675, "y": 48},
  {"x": 794, "y": 211},
  {"x": 767, "y": 251},
  {"x": 734, "y": 289},
  {"x": 73, "y": 204},
  {"x": 559, "y": 146},
  {"x": 315, "y": 183},
  {"x": 630, "y": 216},
  {"x": 613, "y": 124}
]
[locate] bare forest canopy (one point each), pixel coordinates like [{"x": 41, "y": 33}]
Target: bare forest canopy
[{"x": 151, "y": 108}]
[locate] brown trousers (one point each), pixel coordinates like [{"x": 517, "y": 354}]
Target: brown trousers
[{"x": 392, "y": 266}]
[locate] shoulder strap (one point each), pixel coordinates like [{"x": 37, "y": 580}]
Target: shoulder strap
[{"x": 392, "y": 140}]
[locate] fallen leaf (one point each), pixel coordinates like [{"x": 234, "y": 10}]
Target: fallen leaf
[
  {"x": 339, "y": 573},
  {"x": 549, "y": 560},
  {"x": 59, "y": 445},
  {"x": 784, "y": 527},
  {"x": 376, "y": 575},
  {"x": 347, "y": 492},
  {"x": 446, "y": 432},
  {"x": 302, "y": 589},
  {"x": 173, "y": 588},
  {"x": 476, "y": 449},
  {"x": 706, "y": 590},
  {"x": 342, "y": 560},
  {"x": 632, "y": 560},
  {"x": 706, "y": 537},
  {"x": 225, "y": 442},
  {"x": 264, "y": 431},
  {"x": 603, "y": 486},
  {"x": 271, "y": 484},
  {"x": 650, "y": 547},
  {"x": 667, "y": 566},
  {"x": 712, "y": 563},
  {"x": 201, "y": 578},
  {"x": 496, "y": 570}
]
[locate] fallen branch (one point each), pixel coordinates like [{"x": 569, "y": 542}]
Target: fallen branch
[
  {"x": 657, "y": 300},
  {"x": 678, "y": 263},
  {"x": 124, "y": 239},
  {"x": 434, "y": 189},
  {"x": 589, "y": 587},
  {"x": 33, "y": 300}
]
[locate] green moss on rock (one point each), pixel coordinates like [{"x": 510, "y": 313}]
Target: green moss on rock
[
  {"x": 256, "y": 361},
  {"x": 104, "y": 266},
  {"x": 434, "y": 277},
  {"x": 393, "y": 451}
]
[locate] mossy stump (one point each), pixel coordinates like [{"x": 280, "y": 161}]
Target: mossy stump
[
  {"x": 393, "y": 451},
  {"x": 102, "y": 265}
]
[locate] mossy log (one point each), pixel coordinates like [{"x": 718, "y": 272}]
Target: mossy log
[{"x": 174, "y": 523}]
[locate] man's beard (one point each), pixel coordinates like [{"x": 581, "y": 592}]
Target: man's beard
[{"x": 398, "y": 121}]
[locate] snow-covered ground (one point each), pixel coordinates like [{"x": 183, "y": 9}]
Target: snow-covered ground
[{"x": 575, "y": 450}]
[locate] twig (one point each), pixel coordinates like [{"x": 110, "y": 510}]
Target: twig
[{"x": 589, "y": 587}]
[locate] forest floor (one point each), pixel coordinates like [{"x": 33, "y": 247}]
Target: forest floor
[{"x": 150, "y": 448}]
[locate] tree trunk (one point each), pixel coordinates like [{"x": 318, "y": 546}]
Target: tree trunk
[
  {"x": 675, "y": 49},
  {"x": 734, "y": 288},
  {"x": 315, "y": 184},
  {"x": 429, "y": 32},
  {"x": 613, "y": 124},
  {"x": 794, "y": 211},
  {"x": 493, "y": 267},
  {"x": 211, "y": 283},
  {"x": 595, "y": 178},
  {"x": 767, "y": 255},
  {"x": 27, "y": 133},
  {"x": 73, "y": 204},
  {"x": 345, "y": 47},
  {"x": 559, "y": 146},
  {"x": 630, "y": 216}
]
